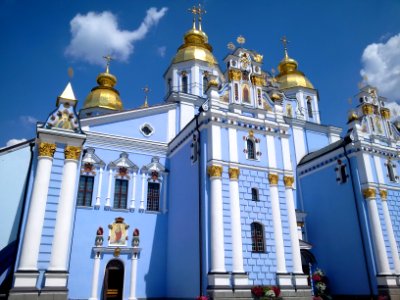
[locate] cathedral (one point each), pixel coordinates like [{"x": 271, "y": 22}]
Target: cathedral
[{"x": 233, "y": 182}]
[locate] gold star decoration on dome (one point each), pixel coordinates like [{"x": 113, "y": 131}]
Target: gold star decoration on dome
[
  {"x": 108, "y": 59},
  {"x": 231, "y": 46},
  {"x": 241, "y": 40}
]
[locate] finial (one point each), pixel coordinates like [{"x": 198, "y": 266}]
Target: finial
[
  {"x": 285, "y": 42},
  {"x": 200, "y": 12},
  {"x": 146, "y": 91},
  {"x": 108, "y": 58},
  {"x": 193, "y": 10},
  {"x": 241, "y": 40},
  {"x": 70, "y": 72},
  {"x": 231, "y": 46}
]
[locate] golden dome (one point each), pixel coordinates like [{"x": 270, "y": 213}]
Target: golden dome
[
  {"x": 289, "y": 76},
  {"x": 195, "y": 47},
  {"x": 104, "y": 95}
]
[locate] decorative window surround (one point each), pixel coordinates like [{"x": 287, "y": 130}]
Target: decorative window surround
[
  {"x": 391, "y": 171},
  {"x": 123, "y": 169},
  {"x": 341, "y": 172},
  {"x": 154, "y": 172},
  {"x": 146, "y": 129},
  {"x": 256, "y": 149},
  {"x": 89, "y": 165}
]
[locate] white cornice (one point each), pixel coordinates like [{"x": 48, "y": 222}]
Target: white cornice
[
  {"x": 128, "y": 114},
  {"x": 100, "y": 139}
]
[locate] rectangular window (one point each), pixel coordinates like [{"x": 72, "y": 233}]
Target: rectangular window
[
  {"x": 257, "y": 237},
  {"x": 254, "y": 194},
  {"x": 85, "y": 190},
  {"x": 120, "y": 193},
  {"x": 153, "y": 196}
]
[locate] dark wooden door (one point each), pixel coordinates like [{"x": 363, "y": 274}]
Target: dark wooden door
[{"x": 113, "y": 280}]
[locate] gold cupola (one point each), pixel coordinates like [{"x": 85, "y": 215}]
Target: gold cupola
[
  {"x": 104, "y": 95},
  {"x": 195, "y": 43},
  {"x": 289, "y": 76}
]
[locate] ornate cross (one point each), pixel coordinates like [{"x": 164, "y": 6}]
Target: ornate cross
[
  {"x": 284, "y": 42},
  {"x": 146, "y": 91},
  {"x": 193, "y": 10},
  {"x": 108, "y": 59}
]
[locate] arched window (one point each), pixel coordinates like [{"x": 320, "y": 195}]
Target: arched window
[
  {"x": 184, "y": 83},
  {"x": 372, "y": 124},
  {"x": 205, "y": 83},
  {"x": 246, "y": 97},
  {"x": 390, "y": 171},
  {"x": 251, "y": 153},
  {"x": 236, "y": 92},
  {"x": 254, "y": 194},
  {"x": 257, "y": 238},
  {"x": 309, "y": 108}
]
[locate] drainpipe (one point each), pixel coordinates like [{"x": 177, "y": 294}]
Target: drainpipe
[{"x": 359, "y": 224}]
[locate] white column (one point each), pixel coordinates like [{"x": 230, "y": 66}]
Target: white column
[
  {"x": 217, "y": 222},
  {"x": 95, "y": 278},
  {"x": 34, "y": 224},
  {"x": 98, "y": 197},
  {"x": 236, "y": 226},
  {"x": 377, "y": 237},
  {"x": 277, "y": 222},
  {"x": 110, "y": 180},
  {"x": 65, "y": 212},
  {"x": 143, "y": 187},
  {"x": 133, "y": 191},
  {"x": 389, "y": 229},
  {"x": 132, "y": 291},
  {"x": 294, "y": 239}
]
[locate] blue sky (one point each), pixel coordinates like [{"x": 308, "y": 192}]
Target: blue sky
[{"x": 329, "y": 39}]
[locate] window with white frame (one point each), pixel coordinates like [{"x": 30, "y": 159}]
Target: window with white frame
[
  {"x": 257, "y": 238},
  {"x": 154, "y": 186},
  {"x": 391, "y": 171},
  {"x": 90, "y": 164}
]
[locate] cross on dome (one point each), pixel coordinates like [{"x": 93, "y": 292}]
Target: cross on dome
[
  {"x": 108, "y": 59},
  {"x": 197, "y": 10}
]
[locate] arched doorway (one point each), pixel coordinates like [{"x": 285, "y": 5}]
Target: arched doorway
[{"x": 113, "y": 280}]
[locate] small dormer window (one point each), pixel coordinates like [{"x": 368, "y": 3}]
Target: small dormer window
[{"x": 146, "y": 129}]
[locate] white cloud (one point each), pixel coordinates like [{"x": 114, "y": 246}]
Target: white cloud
[
  {"x": 161, "y": 51},
  {"x": 13, "y": 142},
  {"x": 381, "y": 66},
  {"x": 27, "y": 121},
  {"x": 97, "y": 34}
]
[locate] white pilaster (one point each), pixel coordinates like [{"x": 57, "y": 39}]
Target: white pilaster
[
  {"x": 132, "y": 290},
  {"x": 98, "y": 197},
  {"x": 217, "y": 222},
  {"x": 376, "y": 232},
  {"x": 132, "y": 206},
  {"x": 233, "y": 146},
  {"x": 390, "y": 232},
  {"x": 236, "y": 227},
  {"x": 294, "y": 240},
  {"x": 214, "y": 150},
  {"x": 186, "y": 113},
  {"x": 143, "y": 187},
  {"x": 277, "y": 223},
  {"x": 271, "y": 151},
  {"x": 171, "y": 124},
  {"x": 299, "y": 143},
  {"x": 34, "y": 224},
  {"x": 110, "y": 180},
  {"x": 65, "y": 213},
  {"x": 95, "y": 277}
]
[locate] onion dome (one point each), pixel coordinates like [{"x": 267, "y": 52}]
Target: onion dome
[
  {"x": 289, "y": 76},
  {"x": 196, "y": 47},
  {"x": 104, "y": 95}
]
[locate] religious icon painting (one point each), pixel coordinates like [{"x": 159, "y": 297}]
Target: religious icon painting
[{"x": 118, "y": 233}]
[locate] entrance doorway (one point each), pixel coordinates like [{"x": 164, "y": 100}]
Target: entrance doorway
[{"x": 113, "y": 280}]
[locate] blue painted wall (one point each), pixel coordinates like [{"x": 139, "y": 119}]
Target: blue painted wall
[{"x": 336, "y": 240}]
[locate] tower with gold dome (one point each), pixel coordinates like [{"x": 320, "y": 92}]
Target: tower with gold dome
[
  {"x": 103, "y": 98},
  {"x": 212, "y": 192}
]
